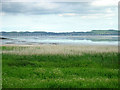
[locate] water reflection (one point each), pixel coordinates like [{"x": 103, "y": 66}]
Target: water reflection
[{"x": 78, "y": 40}]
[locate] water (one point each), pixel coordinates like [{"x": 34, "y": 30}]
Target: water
[{"x": 76, "y": 40}]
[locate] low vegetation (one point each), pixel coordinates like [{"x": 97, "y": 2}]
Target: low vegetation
[{"x": 87, "y": 69}]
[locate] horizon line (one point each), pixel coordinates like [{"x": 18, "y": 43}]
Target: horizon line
[{"x": 59, "y": 32}]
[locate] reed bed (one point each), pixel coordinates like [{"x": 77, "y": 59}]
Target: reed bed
[
  {"x": 57, "y": 49},
  {"x": 59, "y": 66}
]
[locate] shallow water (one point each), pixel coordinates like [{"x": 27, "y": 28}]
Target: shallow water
[{"x": 76, "y": 40}]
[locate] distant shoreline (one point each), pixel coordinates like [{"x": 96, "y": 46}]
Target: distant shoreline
[
  {"x": 53, "y": 45},
  {"x": 93, "y": 32}
]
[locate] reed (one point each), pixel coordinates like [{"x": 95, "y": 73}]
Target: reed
[
  {"x": 60, "y": 66},
  {"x": 57, "y": 49}
]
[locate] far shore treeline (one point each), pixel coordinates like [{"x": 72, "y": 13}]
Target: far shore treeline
[{"x": 93, "y": 32}]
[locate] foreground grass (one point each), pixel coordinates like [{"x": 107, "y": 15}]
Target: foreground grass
[{"x": 89, "y": 70}]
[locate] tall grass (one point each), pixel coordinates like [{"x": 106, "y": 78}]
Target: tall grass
[
  {"x": 59, "y": 70},
  {"x": 57, "y": 49}
]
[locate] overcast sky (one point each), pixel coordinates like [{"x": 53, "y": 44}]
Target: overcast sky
[{"x": 59, "y": 16}]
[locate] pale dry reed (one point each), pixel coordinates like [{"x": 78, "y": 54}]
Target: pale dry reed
[{"x": 59, "y": 49}]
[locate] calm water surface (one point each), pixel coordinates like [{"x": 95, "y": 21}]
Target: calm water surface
[{"x": 76, "y": 40}]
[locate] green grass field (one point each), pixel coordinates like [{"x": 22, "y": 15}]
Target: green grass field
[{"x": 87, "y": 70}]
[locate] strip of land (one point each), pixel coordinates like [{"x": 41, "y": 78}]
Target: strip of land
[
  {"x": 57, "y": 49},
  {"x": 59, "y": 66}
]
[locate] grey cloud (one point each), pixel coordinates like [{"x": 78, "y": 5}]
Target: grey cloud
[
  {"x": 12, "y": 7},
  {"x": 50, "y": 8}
]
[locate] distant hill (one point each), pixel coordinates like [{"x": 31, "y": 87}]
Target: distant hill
[
  {"x": 106, "y": 32},
  {"x": 93, "y": 32}
]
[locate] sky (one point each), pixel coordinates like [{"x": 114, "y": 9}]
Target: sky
[{"x": 58, "y": 16}]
